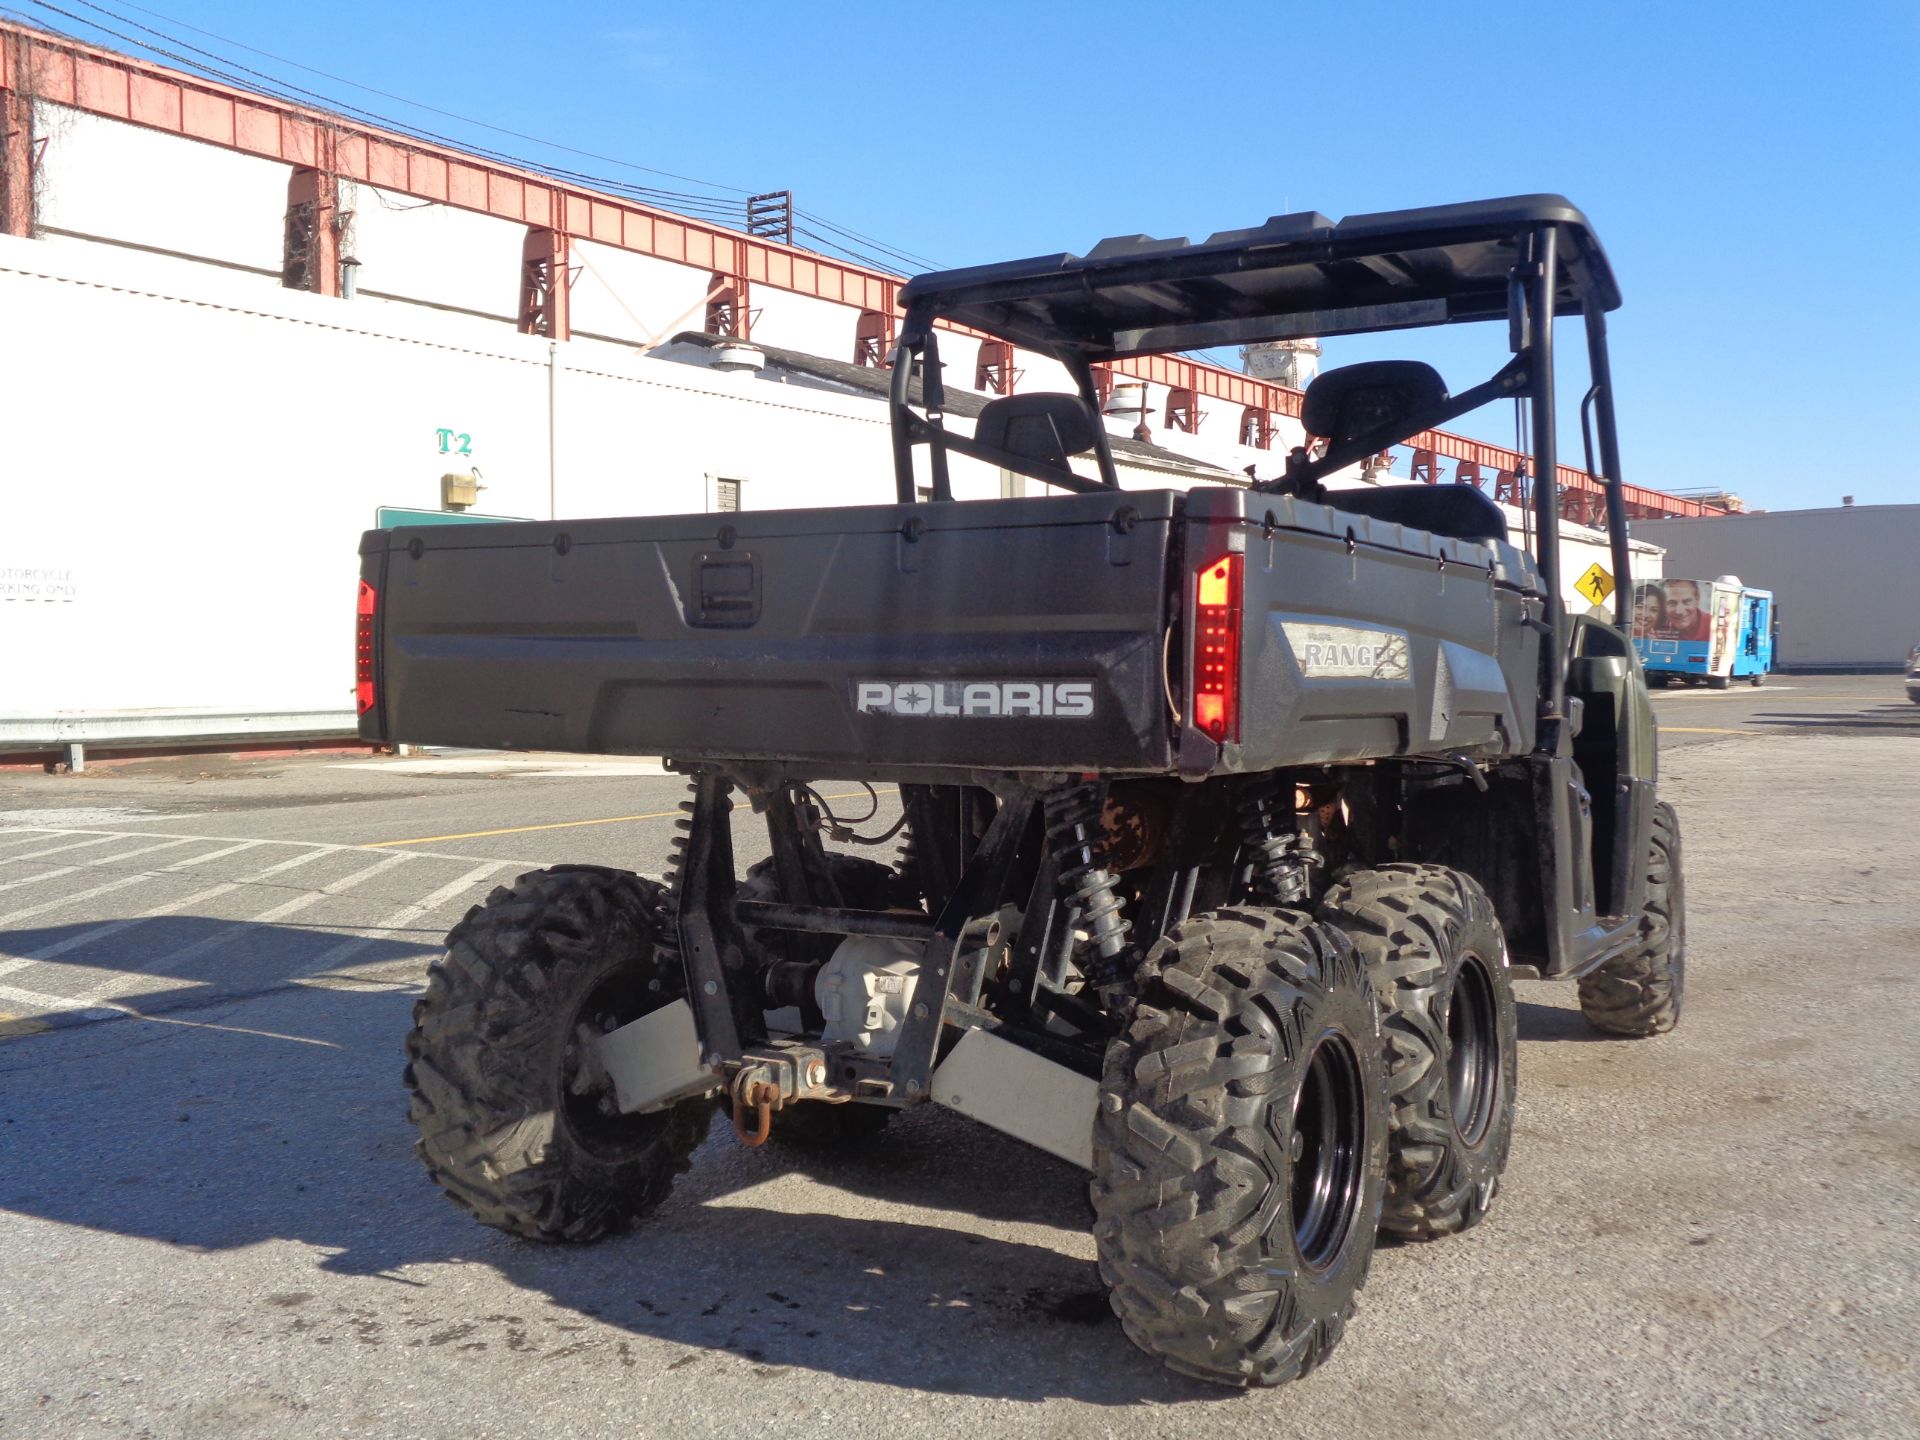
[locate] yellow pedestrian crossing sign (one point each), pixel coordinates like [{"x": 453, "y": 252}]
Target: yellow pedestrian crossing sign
[{"x": 1596, "y": 584}]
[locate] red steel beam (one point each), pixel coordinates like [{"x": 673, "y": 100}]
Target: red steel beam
[
  {"x": 118, "y": 87},
  {"x": 1489, "y": 456},
  {"x": 1236, "y": 389}
]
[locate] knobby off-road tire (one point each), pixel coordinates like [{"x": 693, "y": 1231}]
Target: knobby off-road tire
[
  {"x": 1438, "y": 961},
  {"x": 864, "y": 885},
  {"x": 1640, "y": 993},
  {"x": 516, "y": 1124},
  {"x": 1240, "y": 1147}
]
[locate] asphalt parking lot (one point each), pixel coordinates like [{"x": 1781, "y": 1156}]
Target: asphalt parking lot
[{"x": 211, "y": 1224}]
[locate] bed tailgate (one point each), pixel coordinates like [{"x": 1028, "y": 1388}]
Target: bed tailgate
[{"x": 1009, "y": 634}]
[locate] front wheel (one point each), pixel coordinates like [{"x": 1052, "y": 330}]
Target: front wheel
[
  {"x": 1639, "y": 994},
  {"x": 518, "y": 1123},
  {"x": 1432, "y": 944},
  {"x": 1240, "y": 1148}
]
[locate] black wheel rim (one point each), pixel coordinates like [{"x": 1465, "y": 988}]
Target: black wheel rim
[
  {"x": 587, "y": 1101},
  {"x": 1473, "y": 1052},
  {"x": 1328, "y": 1141}
]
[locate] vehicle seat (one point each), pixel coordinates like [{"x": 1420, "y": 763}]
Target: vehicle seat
[
  {"x": 1460, "y": 512},
  {"x": 1044, "y": 426}
]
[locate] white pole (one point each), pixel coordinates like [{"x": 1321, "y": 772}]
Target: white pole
[{"x": 553, "y": 429}]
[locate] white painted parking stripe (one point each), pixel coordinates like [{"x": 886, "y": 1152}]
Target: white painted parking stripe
[
  {"x": 214, "y": 855},
  {"x": 338, "y": 887},
  {"x": 76, "y": 845},
  {"x": 52, "y": 874},
  {"x": 50, "y": 1004},
  {"x": 56, "y": 1012},
  {"x": 235, "y": 929},
  {"x": 407, "y": 914},
  {"x": 119, "y": 856},
  {"x": 60, "y": 870},
  {"x": 169, "y": 844},
  {"x": 262, "y": 840},
  {"x": 14, "y": 916},
  {"x": 114, "y": 927}
]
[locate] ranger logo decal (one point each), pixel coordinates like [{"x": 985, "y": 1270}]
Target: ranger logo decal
[
  {"x": 1052, "y": 699},
  {"x": 1347, "y": 652}
]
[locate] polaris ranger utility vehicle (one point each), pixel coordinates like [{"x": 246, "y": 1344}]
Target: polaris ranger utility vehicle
[{"x": 1229, "y": 814}]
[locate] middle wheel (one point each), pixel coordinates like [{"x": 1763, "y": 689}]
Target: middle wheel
[{"x": 1438, "y": 961}]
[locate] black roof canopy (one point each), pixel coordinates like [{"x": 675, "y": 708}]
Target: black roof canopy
[{"x": 1295, "y": 276}]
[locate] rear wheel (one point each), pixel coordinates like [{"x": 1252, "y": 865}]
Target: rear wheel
[
  {"x": 1240, "y": 1147},
  {"x": 517, "y": 1122},
  {"x": 1719, "y": 682},
  {"x": 1433, "y": 947},
  {"x": 1640, "y": 993}
]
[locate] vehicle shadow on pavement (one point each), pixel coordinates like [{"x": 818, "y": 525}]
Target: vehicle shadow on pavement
[
  {"x": 277, "y": 1114},
  {"x": 1551, "y": 1022}
]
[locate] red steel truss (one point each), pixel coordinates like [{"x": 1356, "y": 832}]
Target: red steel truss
[{"x": 35, "y": 65}]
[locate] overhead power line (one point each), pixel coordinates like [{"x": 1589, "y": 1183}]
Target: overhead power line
[
  {"x": 713, "y": 208},
  {"x": 432, "y": 109}
]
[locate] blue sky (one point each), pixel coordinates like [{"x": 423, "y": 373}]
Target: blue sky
[{"x": 1750, "y": 167}]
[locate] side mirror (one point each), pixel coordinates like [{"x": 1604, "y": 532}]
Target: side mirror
[
  {"x": 1358, "y": 400},
  {"x": 1043, "y": 427}
]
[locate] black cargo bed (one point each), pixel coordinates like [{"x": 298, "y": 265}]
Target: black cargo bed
[
  {"x": 751, "y": 635},
  {"x": 1035, "y": 634}
]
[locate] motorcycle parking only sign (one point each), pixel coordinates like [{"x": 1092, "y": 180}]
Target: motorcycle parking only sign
[{"x": 54, "y": 584}]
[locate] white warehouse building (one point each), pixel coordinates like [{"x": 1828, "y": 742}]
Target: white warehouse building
[
  {"x": 193, "y": 447},
  {"x": 1845, "y": 583}
]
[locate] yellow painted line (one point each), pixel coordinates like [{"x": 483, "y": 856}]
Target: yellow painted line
[
  {"x": 558, "y": 825},
  {"x": 1748, "y": 692},
  {"x": 1705, "y": 730}
]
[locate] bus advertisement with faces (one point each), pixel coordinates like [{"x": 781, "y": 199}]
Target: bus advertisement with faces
[{"x": 1704, "y": 629}]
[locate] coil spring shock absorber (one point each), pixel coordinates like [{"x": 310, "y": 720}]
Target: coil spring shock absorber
[
  {"x": 667, "y": 930},
  {"x": 1280, "y": 853},
  {"x": 907, "y": 867},
  {"x": 1087, "y": 886}
]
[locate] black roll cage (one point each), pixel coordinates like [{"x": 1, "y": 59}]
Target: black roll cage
[{"x": 1527, "y": 260}]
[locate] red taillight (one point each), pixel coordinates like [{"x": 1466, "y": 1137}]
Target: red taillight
[
  {"x": 1216, "y": 650},
  {"x": 363, "y": 648}
]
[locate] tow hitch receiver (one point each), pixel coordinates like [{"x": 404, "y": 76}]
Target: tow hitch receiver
[{"x": 771, "y": 1079}]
